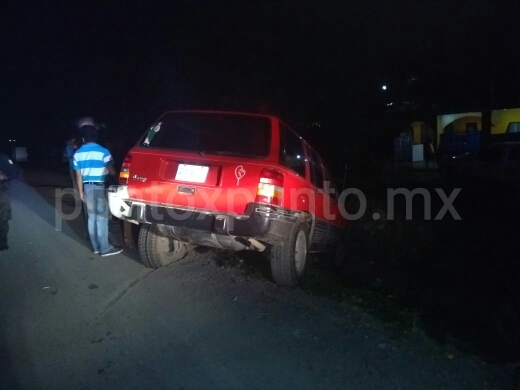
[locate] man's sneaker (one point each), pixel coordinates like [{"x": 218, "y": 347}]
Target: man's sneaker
[
  {"x": 96, "y": 252},
  {"x": 4, "y": 247},
  {"x": 113, "y": 251}
]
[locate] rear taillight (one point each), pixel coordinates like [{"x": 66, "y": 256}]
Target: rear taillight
[
  {"x": 270, "y": 187},
  {"x": 125, "y": 170}
]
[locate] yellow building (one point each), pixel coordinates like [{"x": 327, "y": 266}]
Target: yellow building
[
  {"x": 458, "y": 123},
  {"x": 505, "y": 121},
  {"x": 421, "y": 132},
  {"x": 502, "y": 121}
]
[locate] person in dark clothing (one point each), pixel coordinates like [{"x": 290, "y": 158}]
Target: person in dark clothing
[
  {"x": 7, "y": 173},
  {"x": 68, "y": 155}
]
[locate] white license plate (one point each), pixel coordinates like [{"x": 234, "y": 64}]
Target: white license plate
[{"x": 192, "y": 173}]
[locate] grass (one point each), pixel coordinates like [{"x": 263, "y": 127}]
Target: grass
[
  {"x": 379, "y": 303},
  {"x": 323, "y": 281}
]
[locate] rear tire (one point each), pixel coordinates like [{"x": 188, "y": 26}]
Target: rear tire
[
  {"x": 157, "y": 250},
  {"x": 289, "y": 261}
]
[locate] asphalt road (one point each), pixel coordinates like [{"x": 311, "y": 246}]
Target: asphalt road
[{"x": 72, "y": 320}]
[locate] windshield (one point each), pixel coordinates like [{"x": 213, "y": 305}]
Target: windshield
[{"x": 207, "y": 133}]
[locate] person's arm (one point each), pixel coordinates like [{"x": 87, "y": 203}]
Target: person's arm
[
  {"x": 109, "y": 161},
  {"x": 112, "y": 171},
  {"x": 79, "y": 180}
]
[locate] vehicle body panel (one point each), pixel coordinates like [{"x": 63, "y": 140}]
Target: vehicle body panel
[{"x": 222, "y": 189}]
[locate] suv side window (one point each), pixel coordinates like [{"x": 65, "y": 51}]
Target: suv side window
[
  {"x": 316, "y": 169},
  {"x": 291, "y": 150}
]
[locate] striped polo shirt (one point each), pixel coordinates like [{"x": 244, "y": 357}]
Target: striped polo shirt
[{"x": 92, "y": 160}]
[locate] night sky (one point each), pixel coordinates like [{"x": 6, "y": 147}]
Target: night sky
[{"x": 325, "y": 61}]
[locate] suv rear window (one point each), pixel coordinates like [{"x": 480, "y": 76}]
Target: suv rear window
[{"x": 207, "y": 133}]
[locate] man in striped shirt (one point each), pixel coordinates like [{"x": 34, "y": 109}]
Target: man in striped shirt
[{"x": 92, "y": 163}]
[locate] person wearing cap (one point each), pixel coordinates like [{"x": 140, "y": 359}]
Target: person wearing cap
[
  {"x": 92, "y": 163},
  {"x": 7, "y": 173}
]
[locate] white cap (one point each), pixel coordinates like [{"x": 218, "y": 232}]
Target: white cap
[{"x": 87, "y": 121}]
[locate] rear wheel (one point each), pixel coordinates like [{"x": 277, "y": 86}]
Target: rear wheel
[
  {"x": 289, "y": 261},
  {"x": 157, "y": 250}
]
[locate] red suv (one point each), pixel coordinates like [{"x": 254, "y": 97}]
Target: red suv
[{"x": 228, "y": 180}]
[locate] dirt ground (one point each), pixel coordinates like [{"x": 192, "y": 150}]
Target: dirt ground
[{"x": 213, "y": 320}]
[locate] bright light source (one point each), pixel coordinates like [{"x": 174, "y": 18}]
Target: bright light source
[
  {"x": 384, "y": 87},
  {"x": 298, "y": 156}
]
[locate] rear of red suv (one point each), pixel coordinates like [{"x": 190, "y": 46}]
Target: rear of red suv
[{"x": 215, "y": 179}]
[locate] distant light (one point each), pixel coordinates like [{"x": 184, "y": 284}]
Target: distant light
[
  {"x": 390, "y": 104},
  {"x": 298, "y": 156},
  {"x": 384, "y": 87}
]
